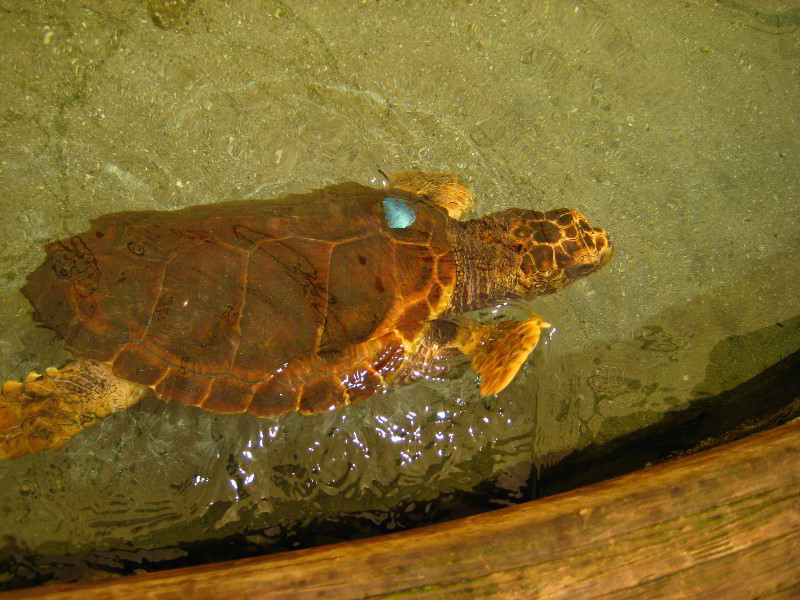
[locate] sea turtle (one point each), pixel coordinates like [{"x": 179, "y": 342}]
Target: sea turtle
[{"x": 307, "y": 303}]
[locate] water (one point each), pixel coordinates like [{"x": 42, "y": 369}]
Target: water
[{"x": 672, "y": 125}]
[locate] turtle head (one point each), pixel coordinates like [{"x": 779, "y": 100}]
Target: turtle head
[
  {"x": 552, "y": 249},
  {"x": 523, "y": 253}
]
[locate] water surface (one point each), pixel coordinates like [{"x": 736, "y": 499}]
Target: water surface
[{"x": 672, "y": 125}]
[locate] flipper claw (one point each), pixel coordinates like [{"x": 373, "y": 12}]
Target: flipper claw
[{"x": 11, "y": 386}]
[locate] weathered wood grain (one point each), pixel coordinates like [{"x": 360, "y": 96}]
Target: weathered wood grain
[{"x": 723, "y": 522}]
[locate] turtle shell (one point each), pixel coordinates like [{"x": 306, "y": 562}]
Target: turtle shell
[{"x": 260, "y": 306}]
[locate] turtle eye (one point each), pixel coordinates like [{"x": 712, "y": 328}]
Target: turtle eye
[
  {"x": 526, "y": 266},
  {"x": 398, "y": 212}
]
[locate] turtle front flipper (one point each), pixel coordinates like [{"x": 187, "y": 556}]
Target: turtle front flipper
[
  {"x": 443, "y": 189},
  {"x": 45, "y": 411},
  {"x": 498, "y": 350}
]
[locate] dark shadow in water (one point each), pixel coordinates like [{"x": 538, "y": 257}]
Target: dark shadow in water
[{"x": 770, "y": 398}]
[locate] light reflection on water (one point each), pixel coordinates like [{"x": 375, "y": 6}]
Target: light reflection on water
[{"x": 214, "y": 475}]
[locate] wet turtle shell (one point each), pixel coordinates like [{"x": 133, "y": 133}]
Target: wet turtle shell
[{"x": 255, "y": 306}]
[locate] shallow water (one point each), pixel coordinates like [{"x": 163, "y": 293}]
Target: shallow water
[{"x": 672, "y": 125}]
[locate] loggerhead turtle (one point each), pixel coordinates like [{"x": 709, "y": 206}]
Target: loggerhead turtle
[{"x": 307, "y": 303}]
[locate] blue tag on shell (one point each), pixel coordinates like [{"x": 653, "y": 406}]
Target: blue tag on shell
[{"x": 399, "y": 214}]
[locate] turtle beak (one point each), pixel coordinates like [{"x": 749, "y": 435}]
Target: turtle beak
[
  {"x": 606, "y": 254},
  {"x": 600, "y": 259}
]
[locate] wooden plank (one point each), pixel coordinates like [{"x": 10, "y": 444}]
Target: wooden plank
[{"x": 724, "y": 521}]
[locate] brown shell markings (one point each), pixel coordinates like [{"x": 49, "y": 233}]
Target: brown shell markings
[{"x": 255, "y": 306}]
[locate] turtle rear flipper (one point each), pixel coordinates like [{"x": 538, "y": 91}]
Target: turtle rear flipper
[
  {"x": 498, "y": 350},
  {"x": 45, "y": 411}
]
